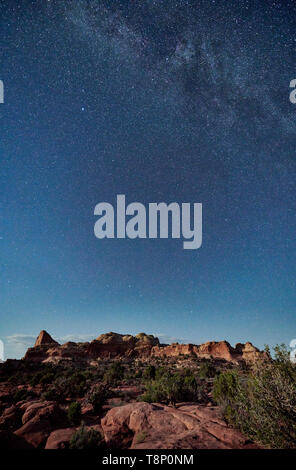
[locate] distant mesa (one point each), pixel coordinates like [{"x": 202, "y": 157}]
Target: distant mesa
[{"x": 115, "y": 345}]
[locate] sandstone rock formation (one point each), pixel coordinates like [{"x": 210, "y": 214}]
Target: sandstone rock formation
[
  {"x": 44, "y": 339},
  {"x": 39, "y": 419},
  {"x": 115, "y": 345},
  {"x": 248, "y": 352},
  {"x": 154, "y": 426},
  {"x": 60, "y": 439}
]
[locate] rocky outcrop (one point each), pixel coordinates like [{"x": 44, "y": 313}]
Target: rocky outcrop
[
  {"x": 248, "y": 352},
  {"x": 108, "y": 345},
  {"x": 44, "y": 339},
  {"x": 210, "y": 350},
  {"x": 172, "y": 350},
  {"x": 115, "y": 345},
  {"x": 60, "y": 439},
  {"x": 216, "y": 349},
  {"x": 39, "y": 420},
  {"x": 155, "y": 426}
]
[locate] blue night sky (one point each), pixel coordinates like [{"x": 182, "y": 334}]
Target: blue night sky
[{"x": 184, "y": 101}]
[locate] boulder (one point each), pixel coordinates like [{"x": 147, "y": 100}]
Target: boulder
[
  {"x": 153, "y": 426},
  {"x": 60, "y": 439},
  {"x": 39, "y": 420}
]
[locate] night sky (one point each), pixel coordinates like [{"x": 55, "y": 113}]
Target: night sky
[{"x": 184, "y": 101}]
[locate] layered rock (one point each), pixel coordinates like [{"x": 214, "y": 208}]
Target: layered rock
[
  {"x": 210, "y": 350},
  {"x": 216, "y": 349},
  {"x": 115, "y": 345},
  {"x": 248, "y": 352},
  {"x": 172, "y": 350},
  {"x": 38, "y": 421}
]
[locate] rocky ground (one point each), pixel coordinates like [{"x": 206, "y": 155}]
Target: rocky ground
[
  {"x": 36, "y": 401},
  {"x": 118, "y": 391}
]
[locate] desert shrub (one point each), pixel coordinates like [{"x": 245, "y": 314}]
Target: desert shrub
[
  {"x": 170, "y": 388},
  {"x": 66, "y": 385},
  {"x": 47, "y": 378},
  {"x": 225, "y": 392},
  {"x": 22, "y": 394},
  {"x": 262, "y": 403},
  {"x": 140, "y": 437},
  {"x": 154, "y": 392},
  {"x": 84, "y": 439},
  {"x": 35, "y": 379},
  {"x": 207, "y": 370},
  {"x": 97, "y": 396},
  {"x": 51, "y": 395},
  {"x": 114, "y": 374},
  {"x": 74, "y": 413},
  {"x": 161, "y": 372},
  {"x": 149, "y": 372}
]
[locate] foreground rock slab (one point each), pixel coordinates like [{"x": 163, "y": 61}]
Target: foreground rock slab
[
  {"x": 39, "y": 420},
  {"x": 154, "y": 426}
]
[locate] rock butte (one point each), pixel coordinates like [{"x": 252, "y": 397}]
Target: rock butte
[{"x": 115, "y": 345}]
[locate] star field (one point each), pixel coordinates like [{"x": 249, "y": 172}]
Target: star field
[{"x": 184, "y": 101}]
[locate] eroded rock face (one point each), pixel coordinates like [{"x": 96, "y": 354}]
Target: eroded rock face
[
  {"x": 172, "y": 350},
  {"x": 154, "y": 426},
  {"x": 249, "y": 353},
  {"x": 209, "y": 350},
  {"x": 108, "y": 345},
  {"x": 216, "y": 349},
  {"x": 115, "y": 345}
]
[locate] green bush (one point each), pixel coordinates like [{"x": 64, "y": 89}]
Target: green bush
[
  {"x": 74, "y": 413},
  {"x": 225, "y": 392},
  {"x": 114, "y": 374},
  {"x": 207, "y": 370},
  {"x": 149, "y": 373},
  {"x": 83, "y": 439},
  {"x": 52, "y": 395},
  {"x": 97, "y": 396},
  {"x": 262, "y": 403},
  {"x": 22, "y": 394},
  {"x": 170, "y": 388},
  {"x": 72, "y": 385}
]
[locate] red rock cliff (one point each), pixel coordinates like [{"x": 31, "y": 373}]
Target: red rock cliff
[{"x": 115, "y": 345}]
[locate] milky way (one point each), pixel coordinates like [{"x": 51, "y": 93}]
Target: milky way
[{"x": 184, "y": 101}]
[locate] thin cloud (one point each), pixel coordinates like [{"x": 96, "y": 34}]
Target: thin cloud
[
  {"x": 75, "y": 338},
  {"x": 21, "y": 339},
  {"x": 170, "y": 339}
]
